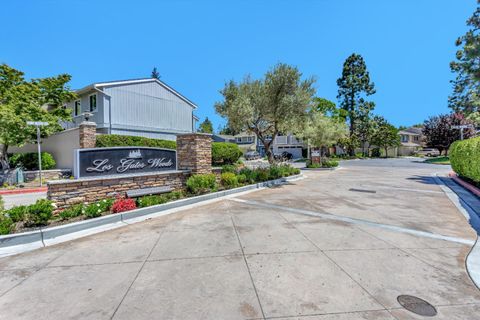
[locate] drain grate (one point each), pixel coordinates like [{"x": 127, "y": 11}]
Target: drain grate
[
  {"x": 417, "y": 305},
  {"x": 362, "y": 190}
]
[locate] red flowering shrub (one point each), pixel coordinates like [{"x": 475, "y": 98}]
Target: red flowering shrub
[{"x": 122, "y": 204}]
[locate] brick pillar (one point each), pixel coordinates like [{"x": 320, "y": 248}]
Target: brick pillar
[
  {"x": 87, "y": 134},
  {"x": 194, "y": 152}
]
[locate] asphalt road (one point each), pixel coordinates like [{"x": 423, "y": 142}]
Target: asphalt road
[
  {"x": 22, "y": 199},
  {"x": 338, "y": 244}
]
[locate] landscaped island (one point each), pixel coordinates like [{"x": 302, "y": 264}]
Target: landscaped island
[{"x": 44, "y": 213}]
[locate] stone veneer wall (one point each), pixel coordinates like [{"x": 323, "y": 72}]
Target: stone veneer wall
[
  {"x": 47, "y": 175},
  {"x": 65, "y": 193},
  {"x": 194, "y": 152},
  {"x": 87, "y": 134}
]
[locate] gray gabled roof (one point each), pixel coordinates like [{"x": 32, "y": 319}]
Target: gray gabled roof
[{"x": 96, "y": 85}]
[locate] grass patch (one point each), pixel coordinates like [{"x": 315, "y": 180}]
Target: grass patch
[{"x": 438, "y": 160}]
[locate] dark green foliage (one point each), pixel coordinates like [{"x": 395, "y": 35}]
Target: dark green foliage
[
  {"x": 376, "y": 153},
  {"x": 115, "y": 140},
  {"x": 466, "y": 86},
  {"x": 325, "y": 163},
  {"x": 229, "y": 168},
  {"x": 72, "y": 212},
  {"x": 17, "y": 213},
  {"x": 206, "y": 126},
  {"x": 155, "y": 74},
  {"x": 29, "y": 161},
  {"x": 39, "y": 214},
  {"x": 261, "y": 175},
  {"x": 249, "y": 175},
  {"x": 225, "y": 153},
  {"x": 201, "y": 183},
  {"x": 241, "y": 178},
  {"x": 92, "y": 210},
  {"x": 229, "y": 180},
  {"x": 329, "y": 164},
  {"x": 152, "y": 200},
  {"x": 6, "y": 224},
  {"x": 2, "y": 203},
  {"x": 353, "y": 87},
  {"x": 465, "y": 158}
]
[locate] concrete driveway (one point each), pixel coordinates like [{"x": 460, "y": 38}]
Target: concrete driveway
[{"x": 335, "y": 245}]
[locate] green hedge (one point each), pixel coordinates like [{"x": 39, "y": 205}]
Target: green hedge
[
  {"x": 29, "y": 161},
  {"x": 465, "y": 158},
  {"x": 116, "y": 140},
  {"x": 225, "y": 153},
  {"x": 222, "y": 152}
]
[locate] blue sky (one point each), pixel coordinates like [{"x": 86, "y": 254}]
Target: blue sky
[{"x": 198, "y": 45}]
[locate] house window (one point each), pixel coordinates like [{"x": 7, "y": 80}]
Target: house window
[
  {"x": 77, "y": 109},
  {"x": 250, "y": 139},
  {"x": 404, "y": 138},
  {"x": 93, "y": 102},
  {"x": 415, "y": 138}
]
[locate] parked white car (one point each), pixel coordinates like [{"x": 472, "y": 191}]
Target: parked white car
[{"x": 429, "y": 152}]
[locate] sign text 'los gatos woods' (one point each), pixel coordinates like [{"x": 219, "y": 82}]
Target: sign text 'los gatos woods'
[{"x": 122, "y": 160}]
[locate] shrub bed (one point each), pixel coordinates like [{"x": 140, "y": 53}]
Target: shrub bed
[
  {"x": 465, "y": 158},
  {"x": 324, "y": 164},
  {"x": 29, "y": 161},
  {"x": 21, "y": 218}
]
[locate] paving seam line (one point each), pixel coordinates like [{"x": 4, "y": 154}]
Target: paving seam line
[
  {"x": 38, "y": 239},
  {"x": 472, "y": 261},
  {"x": 357, "y": 221}
]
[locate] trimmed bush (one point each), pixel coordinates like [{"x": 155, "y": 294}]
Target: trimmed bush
[
  {"x": 465, "y": 158},
  {"x": 152, "y": 200},
  {"x": 29, "y": 161},
  {"x": 17, "y": 213},
  {"x": 201, "y": 183},
  {"x": 229, "y": 180},
  {"x": 39, "y": 214},
  {"x": 225, "y": 153},
  {"x": 229, "y": 168},
  {"x": 330, "y": 164},
  {"x": 242, "y": 178},
  {"x": 376, "y": 153},
  {"x": 72, "y": 212},
  {"x": 6, "y": 224},
  {"x": 116, "y": 140}
]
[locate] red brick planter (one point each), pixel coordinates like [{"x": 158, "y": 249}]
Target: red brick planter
[{"x": 470, "y": 187}]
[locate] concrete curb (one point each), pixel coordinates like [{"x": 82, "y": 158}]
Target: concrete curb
[
  {"x": 472, "y": 262},
  {"x": 26, "y": 241},
  {"x": 465, "y": 184},
  {"x": 321, "y": 169}
]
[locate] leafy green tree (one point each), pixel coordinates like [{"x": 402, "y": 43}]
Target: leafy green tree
[
  {"x": 439, "y": 132},
  {"x": 466, "y": 86},
  {"x": 321, "y": 131},
  {"x": 34, "y": 100},
  {"x": 385, "y": 135},
  {"x": 268, "y": 106},
  {"x": 353, "y": 86},
  {"x": 365, "y": 126},
  {"x": 328, "y": 108},
  {"x": 155, "y": 74},
  {"x": 206, "y": 126}
]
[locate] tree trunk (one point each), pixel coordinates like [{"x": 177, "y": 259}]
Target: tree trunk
[
  {"x": 4, "y": 157},
  {"x": 386, "y": 152}
]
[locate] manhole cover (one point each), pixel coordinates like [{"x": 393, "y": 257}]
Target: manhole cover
[
  {"x": 417, "y": 305},
  {"x": 362, "y": 190}
]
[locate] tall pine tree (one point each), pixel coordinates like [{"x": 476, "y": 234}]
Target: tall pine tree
[
  {"x": 466, "y": 86},
  {"x": 353, "y": 87}
]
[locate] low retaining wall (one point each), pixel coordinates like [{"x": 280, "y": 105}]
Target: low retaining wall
[
  {"x": 56, "y": 174},
  {"x": 65, "y": 193}
]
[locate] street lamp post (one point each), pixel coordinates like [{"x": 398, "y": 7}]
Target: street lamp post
[{"x": 38, "y": 124}]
